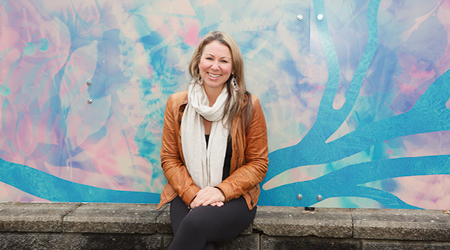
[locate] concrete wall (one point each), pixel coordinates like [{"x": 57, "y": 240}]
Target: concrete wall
[{"x": 141, "y": 226}]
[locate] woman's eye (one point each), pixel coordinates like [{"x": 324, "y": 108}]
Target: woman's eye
[{"x": 224, "y": 61}]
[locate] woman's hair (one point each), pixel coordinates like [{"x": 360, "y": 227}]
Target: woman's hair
[{"x": 238, "y": 69}]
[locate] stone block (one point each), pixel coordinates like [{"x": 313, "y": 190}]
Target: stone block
[
  {"x": 404, "y": 245},
  {"x": 310, "y": 243},
  {"x": 112, "y": 218},
  {"x": 114, "y": 241},
  {"x": 290, "y": 221},
  {"x": 163, "y": 220},
  {"x": 167, "y": 239},
  {"x": 34, "y": 217},
  {"x": 401, "y": 224},
  {"x": 243, "y": 242},
  {"x": 35, "y": 241}
]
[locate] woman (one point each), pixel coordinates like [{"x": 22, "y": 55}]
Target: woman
[{"x": 214, "y": 148}]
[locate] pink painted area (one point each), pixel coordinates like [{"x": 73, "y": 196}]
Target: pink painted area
[
  {"x": 191, "y": 37},
  {"x": 26, "y": 141},
  {"x": 150, "y": 70},
  {"x": 444, "y": 4},
  {"x": 320, "y": 88},
  {"x": 183, "y": 7},
  {"x": 407, "y": 88},
  {"x": 9, "y": 118},
  {"x": 156, "y": 90},
  {"x": 291, "y": 142},
  {"x": 416, "y": 76},
  {"x": 339, "y": 99},
  {"x": 428, "y": 192},
  {"x": 411, "y": 83},
  {"x": 443, "y": 64},
  {"x": 291, "y": 176},
  {"x": 306, "y": 173},
  {"x": 79, "y": 69},
  {"x": 206, "y": 2},
  {"x": 366, "y": 88},
  {"x": 185, "y": 29},
  {"x": 10, "y": 193},
  {"x": 112, "y": 163},
  {"x": 415, "y": 73},
  {"x": 31, "y": 126},
  {"x": 389, "y": 151},
  {"x": 427, "y": 144}
]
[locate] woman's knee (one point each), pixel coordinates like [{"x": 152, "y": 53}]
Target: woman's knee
[{"x": 194, "y": 223}]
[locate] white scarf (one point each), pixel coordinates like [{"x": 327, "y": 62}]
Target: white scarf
[{"x": 205, "y": 165}]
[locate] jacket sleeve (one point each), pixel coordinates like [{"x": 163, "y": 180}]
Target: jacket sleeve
[
  {"x": 256, "y": 158},
  {"x": 171, "y": 161}
]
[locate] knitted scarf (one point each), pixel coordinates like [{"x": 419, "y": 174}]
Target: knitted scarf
[{"x": 204, "y": 164}]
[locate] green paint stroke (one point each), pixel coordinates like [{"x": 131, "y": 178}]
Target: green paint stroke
[
  {"x": 4, "y": 90},
  {"x": 5, "y": 103},
  {"x": 29, "y": 49},
  {"x": 43, "y": 45}
]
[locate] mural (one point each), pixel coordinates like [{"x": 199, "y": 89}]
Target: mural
[{"x": 356, "y": 96}]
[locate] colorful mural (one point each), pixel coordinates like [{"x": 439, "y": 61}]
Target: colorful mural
[{"x": 356, "y": 96}]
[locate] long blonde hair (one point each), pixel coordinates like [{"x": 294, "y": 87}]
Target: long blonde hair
[{"x": 238, "y": 69}]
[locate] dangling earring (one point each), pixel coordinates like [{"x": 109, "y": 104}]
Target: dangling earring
[
  {"x": 200, "y": 80},
  {"x": 234, "y": 83}
]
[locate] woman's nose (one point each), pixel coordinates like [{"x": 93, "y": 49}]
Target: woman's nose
[{"x": 215, "y": 65}]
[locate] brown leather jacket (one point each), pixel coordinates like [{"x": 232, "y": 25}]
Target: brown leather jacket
[{"x": 249, "y": 158}]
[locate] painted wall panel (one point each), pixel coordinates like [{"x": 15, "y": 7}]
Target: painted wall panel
[{"x": 357, "y": 103}]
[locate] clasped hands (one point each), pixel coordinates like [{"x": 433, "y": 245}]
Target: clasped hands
[{"x": 208, "y": 196}]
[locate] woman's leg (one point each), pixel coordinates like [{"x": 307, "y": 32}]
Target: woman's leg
[
  {"x": 207, "y": 224},
  {"x": 178, "y": 210}
]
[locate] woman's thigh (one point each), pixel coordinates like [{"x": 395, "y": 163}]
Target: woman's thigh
[{"x": 214, "y": 223}]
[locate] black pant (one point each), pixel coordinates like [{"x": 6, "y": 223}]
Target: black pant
[{"x": 199, "y": 227}]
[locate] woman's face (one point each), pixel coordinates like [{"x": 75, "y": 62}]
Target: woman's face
[{"x": 215, "y": 65}]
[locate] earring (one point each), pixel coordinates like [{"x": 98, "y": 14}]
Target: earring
[
  {"x": 234, "y": 83},
  {"x": 200, "y": 80}
]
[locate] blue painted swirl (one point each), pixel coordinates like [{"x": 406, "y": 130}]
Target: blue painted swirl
[
  {"x": 428, "y": 115},
  {"x": 49, "y": 187}
]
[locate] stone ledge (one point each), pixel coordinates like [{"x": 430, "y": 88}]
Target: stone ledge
[
  {"x": 405, "y": 245},
  {"x": 34, "y": 217},
  {"x": 308, "y": 242},
  {"x": 112, "y": 218},
  {"x": 273, "y": 225},
  {"x": 401, "y": 224},
  {"x": 292, "y": 221}
]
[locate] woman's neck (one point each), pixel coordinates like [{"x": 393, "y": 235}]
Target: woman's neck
[{"x": 212, "y": 94}]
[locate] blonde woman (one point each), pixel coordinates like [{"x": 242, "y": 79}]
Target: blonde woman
[{"x": 214, "y": 148}]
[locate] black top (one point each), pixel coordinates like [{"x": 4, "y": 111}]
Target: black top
[{"x": 227, "y": 162}]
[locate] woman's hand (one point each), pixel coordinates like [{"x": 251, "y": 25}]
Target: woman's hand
[{"x": 208, "y": 196}]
